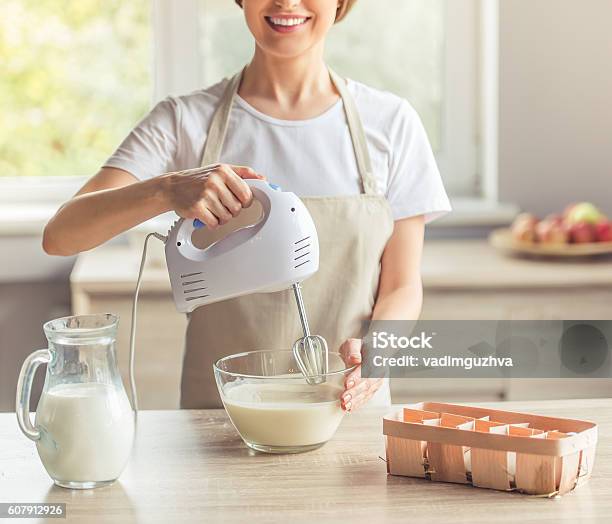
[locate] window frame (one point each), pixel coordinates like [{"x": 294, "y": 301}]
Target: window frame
[
  {"x": 457, "y": 156},
  {"x": 470, "y": 109}
]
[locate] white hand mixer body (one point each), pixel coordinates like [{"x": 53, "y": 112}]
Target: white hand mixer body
[
  {"x": 278, "y": 252},
  {"x": 275, "y": 253}
]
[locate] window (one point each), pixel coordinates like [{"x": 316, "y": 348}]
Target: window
[
  {"x": 75, "y": 79},
  {"x": 77, "y": 84}
]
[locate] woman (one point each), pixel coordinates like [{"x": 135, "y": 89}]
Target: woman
[{"x": 359, "y": 157}]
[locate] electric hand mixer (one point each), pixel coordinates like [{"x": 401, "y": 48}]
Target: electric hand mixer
[{"x": 282, "y": 250}]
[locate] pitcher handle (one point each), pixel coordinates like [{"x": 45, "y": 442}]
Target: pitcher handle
[{"x": 24, "y": 389}]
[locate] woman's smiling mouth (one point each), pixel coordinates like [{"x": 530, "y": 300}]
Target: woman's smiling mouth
[{"x": 287, "y": 23}]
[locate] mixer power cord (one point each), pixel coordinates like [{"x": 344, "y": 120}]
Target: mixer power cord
[{"x": 143, "y": 260}]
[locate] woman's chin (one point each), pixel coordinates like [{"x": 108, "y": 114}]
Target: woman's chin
[{"x": 286, "y": 49}]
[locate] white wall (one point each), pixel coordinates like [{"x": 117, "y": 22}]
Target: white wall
[
  {"x": 34, "y": 288},
  {"x": 556, "y": 103}
]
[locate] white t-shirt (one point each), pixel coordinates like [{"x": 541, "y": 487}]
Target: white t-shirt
[{"x": 312, "y": 157}]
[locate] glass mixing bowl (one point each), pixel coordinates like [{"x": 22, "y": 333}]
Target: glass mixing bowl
[{"x": 273, "y": 408}]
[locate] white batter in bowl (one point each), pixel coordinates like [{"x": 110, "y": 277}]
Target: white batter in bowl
[{"x": 273, "y": 408}]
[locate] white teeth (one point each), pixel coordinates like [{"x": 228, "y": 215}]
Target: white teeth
[{"x": 288, "y": 21}]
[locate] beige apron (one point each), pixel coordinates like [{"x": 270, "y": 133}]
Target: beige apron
[{"x": 353, "y": 232}]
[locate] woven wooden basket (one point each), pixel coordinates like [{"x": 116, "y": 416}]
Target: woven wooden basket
[{"x": 490, "y": 448}]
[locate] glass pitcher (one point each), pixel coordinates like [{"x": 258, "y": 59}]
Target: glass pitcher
[{"x": 84, "y": 425}]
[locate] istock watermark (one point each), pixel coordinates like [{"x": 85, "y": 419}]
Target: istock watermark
[
  {"x": 386, "y": 340},
  {"x": 488, "y": 349}
]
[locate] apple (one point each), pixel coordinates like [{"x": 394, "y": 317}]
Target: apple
[
  {"x": 581, "y": 232},
  {"x": 555, "y": 218},
  {"x": 603, "y": 231},
  {"x": 523, "y": 227},
  {"x": 552, "y": 231},
  {"x": 584, "y": 212},
  {"x": 568, "y": 210}
]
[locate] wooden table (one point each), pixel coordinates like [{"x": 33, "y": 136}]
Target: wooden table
[{"x": 191, "y": 466}]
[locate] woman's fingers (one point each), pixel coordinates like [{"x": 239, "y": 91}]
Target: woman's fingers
[
  {"x": 221, "y": 190},
  {"x": 229, "y": 200},
  {"x": 350, "y": 351},
  {"x": 238, "y": 187},
  {"x": 214, "y": 205},
  {"x": 360, "y": 394},
  {"x": 358, "y": 390},
  {"x": 213, "y": 195},
  {"x": 353, "y": 397},
  {"x": 246, "y": 172},
  {"x": 351, "y": 379},
  {"x": 207, "y": 217},
  {"x": 233, "y": 192},
  {"x": 363, "y": 386}
]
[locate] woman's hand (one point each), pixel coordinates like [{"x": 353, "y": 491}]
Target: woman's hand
[
  {"x": 213, "y": 197},
  {"x": 357, "y": 390}
]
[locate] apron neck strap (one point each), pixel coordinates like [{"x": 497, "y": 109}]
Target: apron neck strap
[
  {"x": 219, "y": 124},
  {"x": 360, "y": 145},
  {"x": 220, "y": 120}
]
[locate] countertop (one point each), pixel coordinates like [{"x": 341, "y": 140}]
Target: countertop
[
  {"x": 447, "y": 264},
  {"x": 191, "y": 466}
]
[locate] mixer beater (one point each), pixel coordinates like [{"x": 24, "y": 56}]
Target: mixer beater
[{"x": 310, "y": 351}]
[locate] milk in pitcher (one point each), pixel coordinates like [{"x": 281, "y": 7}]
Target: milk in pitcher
[{"x": 87, "y": 430}]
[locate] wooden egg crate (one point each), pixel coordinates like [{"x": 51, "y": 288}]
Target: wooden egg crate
[{"x": 490, "y": 448}]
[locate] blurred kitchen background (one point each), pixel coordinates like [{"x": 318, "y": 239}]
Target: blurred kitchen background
[{"x": 515, "y": 95}]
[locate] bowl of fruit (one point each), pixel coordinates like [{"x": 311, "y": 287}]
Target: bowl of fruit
[{"x": 581, "y": 230}]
